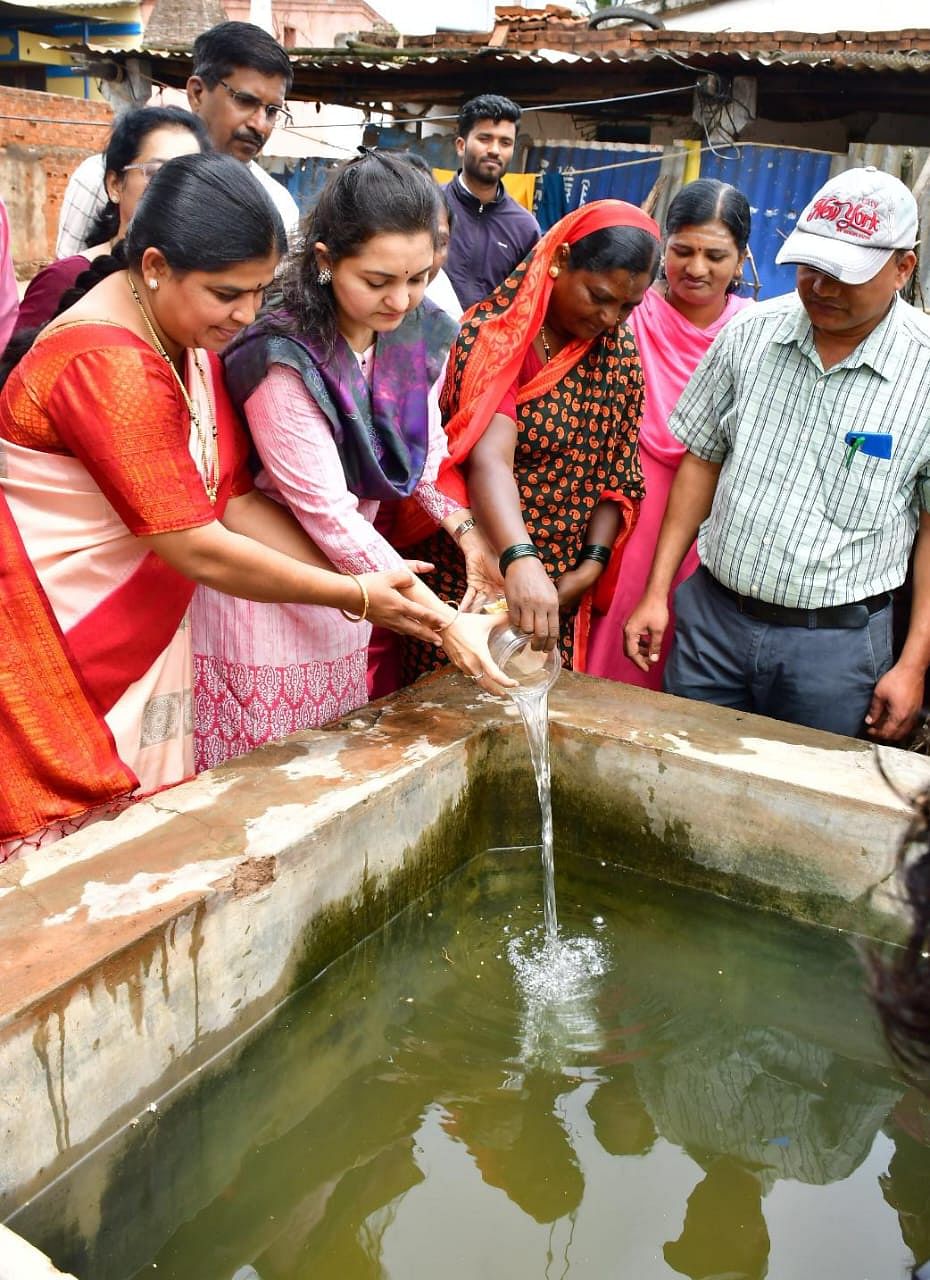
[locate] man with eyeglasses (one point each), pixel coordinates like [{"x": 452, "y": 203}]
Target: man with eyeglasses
[{"x": 238, "y": 88}]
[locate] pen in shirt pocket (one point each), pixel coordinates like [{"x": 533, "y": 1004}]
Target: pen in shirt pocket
[{"x": 874, "y": 444}]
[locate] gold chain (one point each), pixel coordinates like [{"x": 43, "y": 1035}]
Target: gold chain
[
  {"x": 542, "y": 334},
  {"x": 210, "y": 456}
]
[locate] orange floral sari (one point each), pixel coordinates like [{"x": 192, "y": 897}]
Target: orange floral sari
[{"x": 577, "y": 415}]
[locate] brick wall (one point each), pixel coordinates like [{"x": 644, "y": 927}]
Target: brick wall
[{"x": 43, "y": 138}]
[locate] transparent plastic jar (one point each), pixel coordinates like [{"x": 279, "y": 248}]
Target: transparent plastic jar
[{"x": 531, "y": 668}]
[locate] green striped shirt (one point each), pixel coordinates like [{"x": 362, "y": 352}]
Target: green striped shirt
[{"x": 791, "y": 522}]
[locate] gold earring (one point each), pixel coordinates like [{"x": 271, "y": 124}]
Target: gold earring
[
  {"x": 554, "y": 272},
  {"x": 152, "y": 284}
]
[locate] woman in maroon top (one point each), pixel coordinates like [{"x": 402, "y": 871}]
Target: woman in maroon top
[{"x": 140, "y": 143}]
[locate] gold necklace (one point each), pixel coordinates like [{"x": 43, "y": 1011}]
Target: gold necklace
[
  {"x": 542, "y": 334},
  {"x": 209, "y": 450}
]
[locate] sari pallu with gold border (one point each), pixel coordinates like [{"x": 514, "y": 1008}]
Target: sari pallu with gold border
[
  {"x": 578, "y": 415},
  {"x": 95, "y": 452}
]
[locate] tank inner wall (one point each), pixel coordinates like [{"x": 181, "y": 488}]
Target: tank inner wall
[{"x": 137, "y": 951}]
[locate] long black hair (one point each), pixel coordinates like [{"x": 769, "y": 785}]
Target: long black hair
[
  {"x": 129, "y": 132},
  {"x": 630, "y": 249},
  {"x": 203, "y": 212},
  {"x": 707, "y": 200},
  {"x": 371, "y": 194}
]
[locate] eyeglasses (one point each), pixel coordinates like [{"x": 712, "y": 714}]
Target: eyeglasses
[
  {"x": 248, "y": 104},
  {"x": 148, "y": 168}
]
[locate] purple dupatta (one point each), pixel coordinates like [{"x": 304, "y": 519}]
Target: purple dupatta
[{"x": 382, "y": 430}]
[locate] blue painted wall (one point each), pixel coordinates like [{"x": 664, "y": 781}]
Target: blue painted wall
[{"x": 778, "y": 182}]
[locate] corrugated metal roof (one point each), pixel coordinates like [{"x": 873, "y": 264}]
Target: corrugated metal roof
[
  {"x": 555, "y": 34},
  {"x": 916, "y": 60}
]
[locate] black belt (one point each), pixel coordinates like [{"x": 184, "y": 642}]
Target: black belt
[{"x": 845, "y": 616}]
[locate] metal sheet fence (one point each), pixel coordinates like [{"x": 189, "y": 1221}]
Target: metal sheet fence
[
  {"x": 777, "y": 181},
  {"x": 571, "y": 175}
]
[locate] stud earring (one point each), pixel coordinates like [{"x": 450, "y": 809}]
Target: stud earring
[
  {"x": 152, "y": 284},
  {"x": 554, "y": 272},
  {"x": 325, "y": 276}
]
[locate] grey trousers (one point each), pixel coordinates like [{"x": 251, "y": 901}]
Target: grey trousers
[{"x": 822, "y": 678}]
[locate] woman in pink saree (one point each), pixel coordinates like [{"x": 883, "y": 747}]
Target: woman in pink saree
[{"x": 706, "y": 235}]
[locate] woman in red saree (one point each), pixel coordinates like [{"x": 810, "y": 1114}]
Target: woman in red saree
[
  {"x": 542, "y": 404},
  {"x": 123, "y": 484}
]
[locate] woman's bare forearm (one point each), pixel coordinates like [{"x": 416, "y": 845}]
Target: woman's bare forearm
[
  {"x": 689, "y": 503},
  {"x": 237, "y": 565},
  {"x": 256, "y": 516},
  {"x": 492, "y": 489}
]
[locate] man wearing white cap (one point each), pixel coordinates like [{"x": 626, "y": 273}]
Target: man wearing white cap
[{"x": 807, "y": 472}]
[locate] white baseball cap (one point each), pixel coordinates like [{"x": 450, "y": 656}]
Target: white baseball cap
[{"x": 853, "y": 225}]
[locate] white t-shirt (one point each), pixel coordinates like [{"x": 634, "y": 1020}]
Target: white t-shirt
[
  {"x": 440, "y": 291},
  {"x": 85, "y": 196}
]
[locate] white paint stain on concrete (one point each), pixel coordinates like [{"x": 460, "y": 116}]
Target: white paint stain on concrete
[
  {"x": 285, "y": 824},
  {"x": 140, "y": 819},
  {"x": 144, "y": 891},
  {"x": 312, "y": 766},
  {"x": 420, "y": 750},
  {"x": 843, "y": 771}
]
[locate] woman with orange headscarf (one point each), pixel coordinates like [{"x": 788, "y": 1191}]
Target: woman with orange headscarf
[{"x": 542, "y": 404}]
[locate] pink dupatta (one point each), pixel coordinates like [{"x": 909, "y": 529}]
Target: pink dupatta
[{"x": 670, "y": 348}]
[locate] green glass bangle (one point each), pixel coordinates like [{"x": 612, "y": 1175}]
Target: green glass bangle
[
  {"x": 594, "y": 551},
  {"x": 516, "y": 552}
]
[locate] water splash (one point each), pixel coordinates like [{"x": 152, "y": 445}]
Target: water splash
[
  {"x": 559, "y": 981},
  {"x": 533, "y": 705}
]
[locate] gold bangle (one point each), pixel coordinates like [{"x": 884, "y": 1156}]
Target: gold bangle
[
  {"x": 350, "y": 617},
  {"x": 446, "y": 625}
]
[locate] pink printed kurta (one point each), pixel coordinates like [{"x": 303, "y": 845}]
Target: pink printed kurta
[
  {"x": 263, "y": 671},
  {"x": 670, "y": 348}
]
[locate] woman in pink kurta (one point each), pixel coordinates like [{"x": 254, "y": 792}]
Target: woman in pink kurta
[
  {"x": 340, "y": 390},
  {"x": 707, "y": 232},
  {"x": 264, "y": 671},
  {"x": 142, "y": 139}
]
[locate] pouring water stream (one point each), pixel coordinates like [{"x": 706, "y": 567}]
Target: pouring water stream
[
  {"x": 535, "y": 673},
  {"x": 533, "y": 705}
]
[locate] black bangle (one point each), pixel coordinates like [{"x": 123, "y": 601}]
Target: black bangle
[
  {"x": 595, "y": 551},
  {"x": 516, "y": 552}
]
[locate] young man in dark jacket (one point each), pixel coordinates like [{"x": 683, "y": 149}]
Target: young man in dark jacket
[{"x": 491, "y": 233}]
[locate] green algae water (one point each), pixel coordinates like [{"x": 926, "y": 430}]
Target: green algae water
[{"x": 695, "y": 1089}]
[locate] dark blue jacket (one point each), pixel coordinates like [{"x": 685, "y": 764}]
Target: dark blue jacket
[{"x": 488, "y": 240}]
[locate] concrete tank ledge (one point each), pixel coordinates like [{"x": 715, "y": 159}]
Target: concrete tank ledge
[{"x": 136, "y": 951}]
